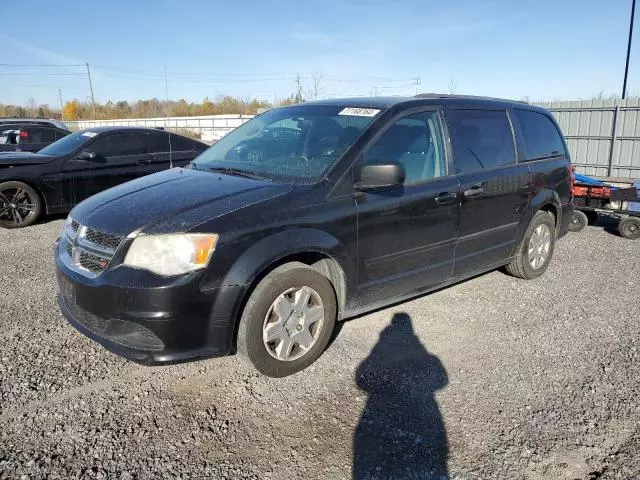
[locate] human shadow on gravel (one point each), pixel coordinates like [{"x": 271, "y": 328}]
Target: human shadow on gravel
[{"x": 401, "y": 433}]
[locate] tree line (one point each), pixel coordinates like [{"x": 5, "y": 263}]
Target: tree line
[{"x": 83, "y": 110}]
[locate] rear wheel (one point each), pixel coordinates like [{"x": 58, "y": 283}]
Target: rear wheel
[
  {"x": 578, "y": 221},
  {"x": 20, "y": 205},
  {"x": 629, "y": 227},
  {"x": 536, "y": 250},
  {"x": 287, "y": 321}
]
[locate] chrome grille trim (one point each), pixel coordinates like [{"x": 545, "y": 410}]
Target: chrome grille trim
[{"x": 82, "y": 253}]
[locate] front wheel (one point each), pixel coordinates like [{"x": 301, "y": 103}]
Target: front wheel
[
  {"x": 287, "y": 321},
  {"x": 536, "y": 250},
  {"x": 20, "y": 205}
]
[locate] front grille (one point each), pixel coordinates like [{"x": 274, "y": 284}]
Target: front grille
[
  {"x": 92, "y": 262},
  {"x": 105, "y": 240},
  {"x": 89, "y": 251}
]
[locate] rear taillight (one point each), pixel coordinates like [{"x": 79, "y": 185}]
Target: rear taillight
[{"x": 24, "y": 134}]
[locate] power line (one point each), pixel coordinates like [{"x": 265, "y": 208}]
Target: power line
[{"x": 40, "y": 65}]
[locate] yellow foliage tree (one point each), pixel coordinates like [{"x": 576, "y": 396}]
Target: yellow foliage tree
[{"x": 71, "y": 110}]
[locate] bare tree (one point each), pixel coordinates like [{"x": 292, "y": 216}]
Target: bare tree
[
  {"x": 317, "y": 88},
  {"x": 453, "y": 85}
]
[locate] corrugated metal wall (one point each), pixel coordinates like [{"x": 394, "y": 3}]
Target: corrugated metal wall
[{"x": 603, "y": 135}]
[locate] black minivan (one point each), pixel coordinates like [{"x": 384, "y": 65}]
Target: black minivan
[{"x": 310, "y": 214}]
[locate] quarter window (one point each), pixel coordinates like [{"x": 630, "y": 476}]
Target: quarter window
[
  {"x": 541, "y": 137},
  {"x": 415, "y": 142},
  {"x": 481, "y": 139}
]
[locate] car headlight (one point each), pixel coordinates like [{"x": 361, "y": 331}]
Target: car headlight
[{"x": 170, "y": 255}]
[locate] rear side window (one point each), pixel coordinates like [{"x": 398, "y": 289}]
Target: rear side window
[
  {"x": 158, "y": 142},
  {"x": 481, "y": 139},
  {"x": 541, "y": 137},
  {"x": 41, "y": 135},
  {"x": 181, "y": 144}
]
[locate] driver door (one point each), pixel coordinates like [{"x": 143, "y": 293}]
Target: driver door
[
  {"x": 407, "y": 234},
  {"x": 119, "y": 157}
]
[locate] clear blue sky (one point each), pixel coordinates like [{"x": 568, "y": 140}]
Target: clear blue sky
[{"x": 543, "y": 49}]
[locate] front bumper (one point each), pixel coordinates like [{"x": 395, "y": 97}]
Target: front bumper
[{"x": 149, "y": 319}]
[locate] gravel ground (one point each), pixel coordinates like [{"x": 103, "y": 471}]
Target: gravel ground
[{"x": 492, "y": 378}]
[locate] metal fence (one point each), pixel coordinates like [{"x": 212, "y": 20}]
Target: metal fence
[
  {"x": 209, "y": 128},
  {"x": 603, "y": 135}
]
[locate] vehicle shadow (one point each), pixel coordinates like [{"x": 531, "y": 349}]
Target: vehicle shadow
[{"x": 401, "y": 433}]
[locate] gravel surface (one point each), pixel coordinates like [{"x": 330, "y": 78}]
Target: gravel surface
[{"x": 492, "y": 378}]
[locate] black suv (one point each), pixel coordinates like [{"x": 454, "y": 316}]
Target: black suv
[
  {"x": 28, "y": 138},
  {"x": 376, "y": 201}
]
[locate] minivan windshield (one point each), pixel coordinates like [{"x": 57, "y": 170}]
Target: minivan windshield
[
  {"x": 295, "y": 144},
  {"x": 68, "y": 144}
]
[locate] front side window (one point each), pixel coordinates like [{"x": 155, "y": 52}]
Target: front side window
[
  {"x": 541, "y": 137},
  {"x": 416, "y": 143},
  {"x": 296, "y": 144},
  {"x": 121, "y": 144},
  {"x": 482, "y": 139}
]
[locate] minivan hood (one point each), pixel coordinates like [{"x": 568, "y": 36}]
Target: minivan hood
[
  {"x": 23, "y": 158},
  {"x": 166, "y": 202}
]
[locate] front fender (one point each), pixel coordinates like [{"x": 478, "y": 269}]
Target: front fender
[{"x": 269, "y": 251}]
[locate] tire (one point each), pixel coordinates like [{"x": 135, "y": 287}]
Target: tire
[
  {"x": 629, "y": 227},
  {"x": 261, "y": 318},
  {"x": 578, "y": 221},
  {"x": 522, "y": 265},
  {"x": 592, "y": 216},
  {"x": 20, "y": 205}
]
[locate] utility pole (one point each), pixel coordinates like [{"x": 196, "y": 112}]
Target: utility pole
[
  {"x": 166, "y": 88},
  {"x": 417, "y": 82},
  {"x": 298, "y": 88},
  {"x": 61, "y": 105},
  {"x": 626, "y": 67},
  {"x": 375, "y": 91},
  {"x": 93, "y": 101}
]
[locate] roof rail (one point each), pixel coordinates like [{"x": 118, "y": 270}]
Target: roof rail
[{"x": 470, "y": 97}]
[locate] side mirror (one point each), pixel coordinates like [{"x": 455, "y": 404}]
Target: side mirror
[
  {"x": 378, "y": 176},
  {"x": 84, "y": 155}
]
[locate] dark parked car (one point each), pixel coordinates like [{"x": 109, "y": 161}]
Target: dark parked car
[
  {"x": 28, "y": 138},
  {"x": 82, "y": 164},
  {"x": 46, "y": 122},
  {"x": 378, "y": 201}
]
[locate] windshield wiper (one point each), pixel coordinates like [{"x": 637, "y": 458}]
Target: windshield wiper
[{"x": 236, "y": 172}]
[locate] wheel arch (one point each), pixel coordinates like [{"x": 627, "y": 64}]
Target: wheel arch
[
  {"x": 546, "y": 201},
  {"x": 314, "y": 248}
]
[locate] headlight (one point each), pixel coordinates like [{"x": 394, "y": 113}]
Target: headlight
[{"x": 170, "y": 255}]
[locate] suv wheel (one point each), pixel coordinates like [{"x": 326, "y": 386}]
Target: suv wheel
[
  {"x": 287, "y": 321},
  {"x": 20, "y": 205},
  {"x": 535, "y": 251}
]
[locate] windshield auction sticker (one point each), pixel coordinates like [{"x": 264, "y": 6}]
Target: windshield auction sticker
[
  {"x": 359, "y": 112},
  {"x": 89, "y": 134}
]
